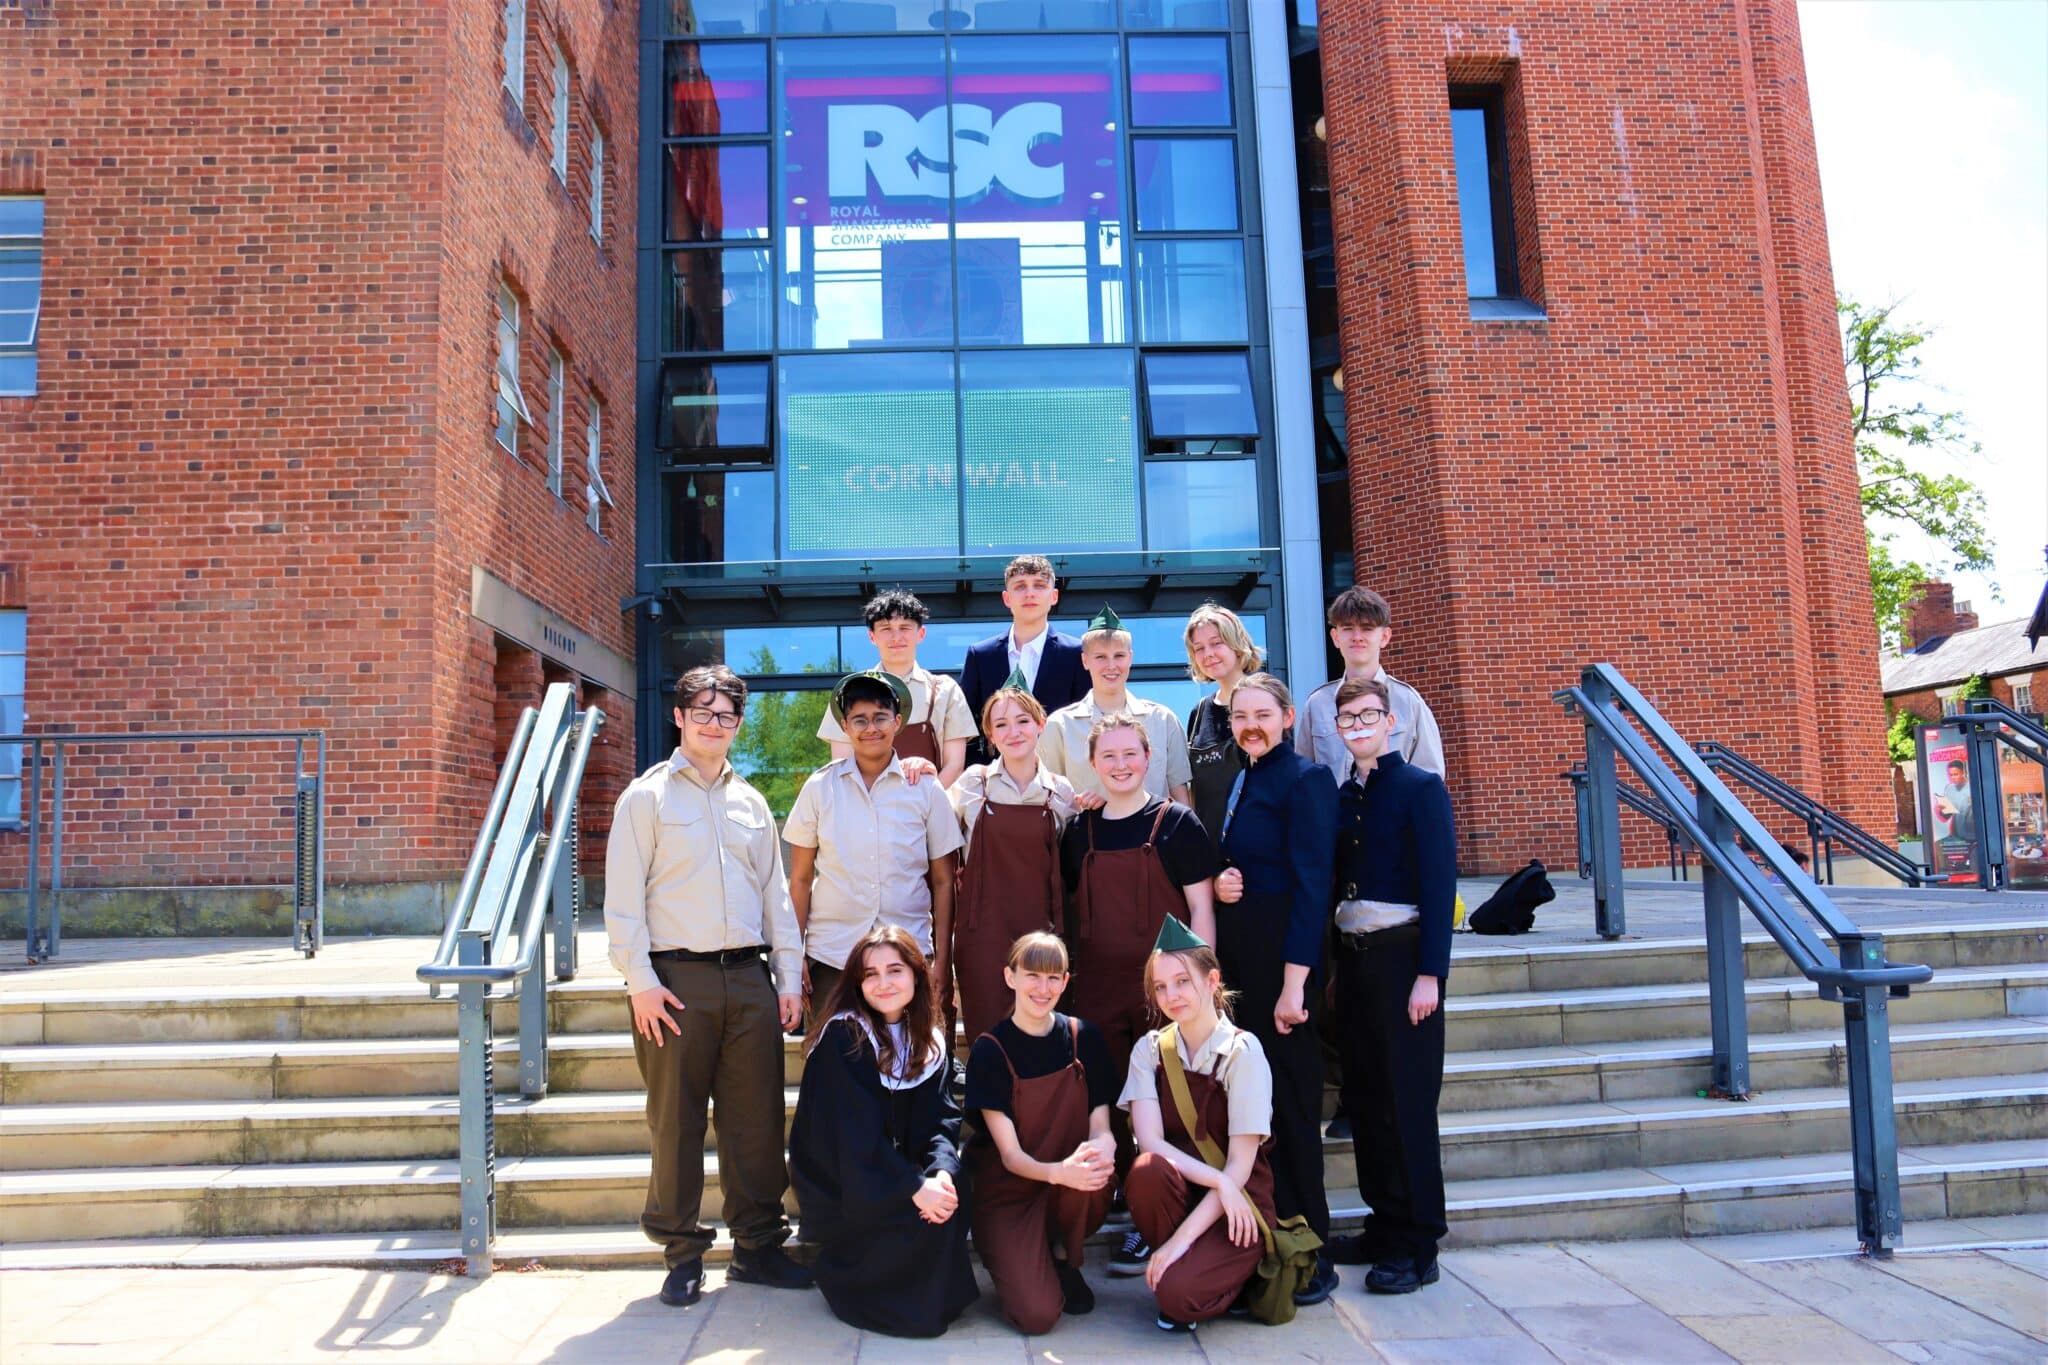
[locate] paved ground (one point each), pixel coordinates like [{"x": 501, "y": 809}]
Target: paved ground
[
  {"x": 1655, "y": 911},
  {"x": 1705, "y": 1300}
]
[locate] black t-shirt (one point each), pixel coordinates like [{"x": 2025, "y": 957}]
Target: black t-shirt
[
  {"x": 1183, "y": 846},
  {"x": 988, "y": 1080},
  {"x": 1209, "y": 724}
]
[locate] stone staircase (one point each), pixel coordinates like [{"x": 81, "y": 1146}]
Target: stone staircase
[{"x": 319, "y": 1125}]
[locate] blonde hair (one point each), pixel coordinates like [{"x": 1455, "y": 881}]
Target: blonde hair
[
  {"x": 1117, "y": 720},
  {"x": 1271, "y": 686},
  {"x": 1200, "y": 962},
  {"x": 1039, "y": 952},
  {"x": 1231, "y": 627},
  {"x": 1025, "y": 701}
]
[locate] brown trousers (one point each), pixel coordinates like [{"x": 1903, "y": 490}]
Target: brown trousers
[
  {"x": 1202, "y": 1284},
  {"x": 824, "y": 980},
  {"x": 729, "y": 1055}
]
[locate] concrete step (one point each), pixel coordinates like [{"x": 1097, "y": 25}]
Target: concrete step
[
  {"x": 596, "y": 1062},
  {"x": 1967, "y": 1181},
  {"x": 1481, "y": 970},
  {"x": 388, "y": 1163}
]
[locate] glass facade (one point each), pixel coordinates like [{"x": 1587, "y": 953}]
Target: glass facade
[{"x": 935, "y": 282}]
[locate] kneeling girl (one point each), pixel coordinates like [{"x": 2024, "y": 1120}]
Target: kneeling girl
[
  {"x": 1039, "y": 1085},
  {"x": 1199, "y": 1219},
  {"x": 874, "y": 1150}
]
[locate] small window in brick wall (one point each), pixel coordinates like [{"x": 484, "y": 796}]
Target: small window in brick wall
[
  {"x": 515, "y": 49},
  {"x": 511, "y": 402},
  {"x": 559, "y": 157},
  {"x": 596, "y": 183},
  {"x": 13, "y": 686},
  {"x": 596, "y": 496},
  {"x": 1486, "y": 217},
  {"x": 2023, "y": 698},
  {"x": 557, "y": 368},
  {"x": 21, "y": 292}
]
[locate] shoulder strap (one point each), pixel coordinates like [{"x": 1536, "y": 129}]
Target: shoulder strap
[
  {"x": 1177, "y": 1083},
  {"x": 1157, "y": 821}
]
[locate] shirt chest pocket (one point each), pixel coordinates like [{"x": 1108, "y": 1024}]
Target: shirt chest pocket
[
  {"x": 744, "y": 828},
  {"x": 899, "y": 829}
]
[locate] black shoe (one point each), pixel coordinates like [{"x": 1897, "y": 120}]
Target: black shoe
[
  {"x": 769, "y": 1265},
  {"x": 1401, "y": 1275},
  {"x": 684, "y": 1285},
  {"x": 1320, "y": 1286},
  {"x": 1166, "y": 1324},
  {"x": 1076, "y": 1298},
  {"x": 1353, "y": 1248},
  {"x": 1130, "y": 1255},
  {"x": 1339, "y": 1127},
  {"x": 1241, "y": 1306}
]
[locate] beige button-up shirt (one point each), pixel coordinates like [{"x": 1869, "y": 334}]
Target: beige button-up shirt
[
  {"x": 875, "y": 849},
  {"x": 1231, "y": 1056},
  {"x": 990, "y": 784},
  {"x": 933, "y": 697},
  {"x": 696, "y": 866},
  {"x": 1064, "y": 745}
]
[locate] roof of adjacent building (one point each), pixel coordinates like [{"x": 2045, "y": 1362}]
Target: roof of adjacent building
[{"x": 1989, "y": 651}]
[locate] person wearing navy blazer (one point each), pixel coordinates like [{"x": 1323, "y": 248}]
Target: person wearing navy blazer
[{"x": 1049, "y": 660}]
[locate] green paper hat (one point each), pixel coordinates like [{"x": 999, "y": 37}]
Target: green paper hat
[
  {"x": 1175, "y": 937},
  {"x": 899, "y": 688},
  {"x": 1106, "y": 619},
  {"x": 1016, "y": 680}
]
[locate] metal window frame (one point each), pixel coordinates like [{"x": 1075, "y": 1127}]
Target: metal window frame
[
  {"x": 596, "y": 493},
  {"x": 559, "y": 110},
  {"x": 510, "y": 318},
  {"x": 1490, "y": 101},
  {"x": 596, "y": 182},
  {"x": 558, "y": 401},
  {"x": 19, "y": 820},
  {"x": 27, "y": 249},
  {"x": 512, "y": 56}
]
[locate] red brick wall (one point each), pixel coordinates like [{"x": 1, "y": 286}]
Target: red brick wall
[
  {"x": 1658, "y": 475},
  {"x": 258, "y": 468}
]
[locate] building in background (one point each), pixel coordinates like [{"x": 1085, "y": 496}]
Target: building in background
[{"x": 588, "y": 342}]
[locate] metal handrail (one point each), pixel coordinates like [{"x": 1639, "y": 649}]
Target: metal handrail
[
  {"x": 520, "y": 882},
  {"x": 309, "y": 824},
  {"x": 1620, "y": 723},
  {"x": 1823, "y": 825},
  {"x": 1678, "y": 847}
]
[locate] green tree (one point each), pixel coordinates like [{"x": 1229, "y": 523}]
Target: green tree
[
  {"x": 1900, "y": 737},
  {"x": 778, "y": 746},
  {"x": 1880, "y": 354}
]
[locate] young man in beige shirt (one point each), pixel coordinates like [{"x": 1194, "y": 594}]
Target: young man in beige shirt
[
  {"x": 694, "y": 902},
  {"x": 1106, "y": 654}
]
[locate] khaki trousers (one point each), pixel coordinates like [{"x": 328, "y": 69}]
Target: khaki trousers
[{"x": 729, "y": 1055}]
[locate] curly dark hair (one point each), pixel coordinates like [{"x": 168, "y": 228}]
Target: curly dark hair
[{"x": 893, "y": 604}]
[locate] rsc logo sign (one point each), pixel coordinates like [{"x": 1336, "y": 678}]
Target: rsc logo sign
[{"x": 907, "y": 156}]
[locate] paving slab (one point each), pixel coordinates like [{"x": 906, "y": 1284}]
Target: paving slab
[
  {"x": 1515, "y": 1277},
  {"x": 1998, "y": 1291},
  {"x": 1519, "y": 1350},
  {"x": 1795, "y": 1338},
  {"x": 1861, "y": 1296},
  {"x": 1619, "y": 1335},
  {"x": 1449, "y": 1308},
  {"x": 1676, "y": 1277}
]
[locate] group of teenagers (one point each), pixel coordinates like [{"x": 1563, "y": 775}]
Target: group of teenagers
[{"x": 1146, "y": 928}]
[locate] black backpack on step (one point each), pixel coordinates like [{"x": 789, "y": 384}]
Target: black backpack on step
[{"x": 1511, "y": 909}]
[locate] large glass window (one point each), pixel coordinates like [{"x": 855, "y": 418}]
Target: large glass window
[
  {"x": 777, "y": 746},
  {"x": 716, "y": 518},
  {"x": 719, "y": 300},
  {"x": 764, "y": 650},
  {"x": 1186, "y": 184},
  {"x": 1192, "y": 290},
  {"x": 1049, "y": 451},
  {"x": 13, "y": 686},
  {"x": 989, "y": 16},
  {"x": 1038, "y": 189},
  {"x": 1485, "y": 216},
  {"x": 714, "y": 412},
  {"x": 717, "y": 17},
  {"x": 717, "y": 89},
  {"x": 866, "y": 193},
  {"x": 717, "y": 191},
  {"x": 1189, "y": 14},
  {"x": 1180, "y": 82},
  {"x": 868, "y": 455},
  {"x": 1202, "y": 504},
  {"x": 21, "y": 292},
  {"x": 1199, "y": 394}
]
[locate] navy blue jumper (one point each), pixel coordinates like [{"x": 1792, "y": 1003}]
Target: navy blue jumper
[{"x": 1396, "y": 843}]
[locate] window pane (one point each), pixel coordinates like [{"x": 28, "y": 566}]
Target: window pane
[
  {"x": 17, "y": 374},
  {"x": 1201, "y": 505},
  {"x": 1038, "y": 189},
  {"x": 10, "y": 801},
  {"x": 983, "y": 16},
  {"x": 777, "y": 746},
  {"x": 1180, "y": 82},
  {"x": 716, "y": 88},
  {"x": 1186, "y": 14},
  {"x": 13, "y": 669},
  {"x": 944, "y": 649},
  {"x": 719, "y": 301},
  {"x": 1050, "y": 456},
  {"x": 13, "y": 632},
  {"x": 21, "y": 217},
  {"x": 721, "y": 518},
  {"x": 717, "y": 191},
  {"x": 865, "y": 187},
  {"x": 1177, "y": 695},
  {"x": 1191, "y": 291},
  {"x": 1155, "y": 640},
  {"x": 868, "y": 455},
  {"x": 17, "y": 328},
  {"x": 1475, "y": 201},
  {"x": 1196, "y": 394},
  {"x": 714, "y": 411},
  {"x": 1186, "y": 184},
  {"x": 861, "y": 16},
  {"x": 775, "y": 649},
  {"x": 686, "y": 17}
]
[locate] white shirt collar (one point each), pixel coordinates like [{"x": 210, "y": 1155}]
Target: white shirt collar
[{"x": 940, "y": 1056}]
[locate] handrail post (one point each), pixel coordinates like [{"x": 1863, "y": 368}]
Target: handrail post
[
  {"x": 478, "y": 1122},
  {"x": 567, "y": 898},
  {"x": 1873, "y": 1127},
  {"x": 1582, "y": 821},
  {"x": 533, "y": 1008},
  {"x": 1727, "y": 998},
  {"x": 1603, "y": 803},
  {"x": 55, "y": 938},
  {"x": 1987, "y": 803},
  {"x": 37, "y": 948}
]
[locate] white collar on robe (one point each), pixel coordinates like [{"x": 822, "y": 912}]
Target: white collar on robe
[{"x": 939, "y": 1055}]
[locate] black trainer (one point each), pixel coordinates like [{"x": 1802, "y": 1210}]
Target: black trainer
[
  {"x": 770, "y": 1266},
  {"x": 1401, "y": 1275},
  {"x": 684, "y": 1285},
  {"x": 1354, "y": 1248},
  {"x": 1320, "y": 1286},
  {"x": 1130, "y": 1255},
  {"x": 1166, "y": 1324},
  {"x": 1075, "y": 1295}
]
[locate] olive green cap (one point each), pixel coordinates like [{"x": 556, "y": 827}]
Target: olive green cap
[
  {"x": 896, "y": 686},
  {"x": 1176, "y": 937},
  {"x": 1016, "y": 680},
  {"x": 1106, "y": 619}
]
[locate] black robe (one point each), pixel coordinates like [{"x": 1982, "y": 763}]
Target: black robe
[{"x": 858, "y": 1151}]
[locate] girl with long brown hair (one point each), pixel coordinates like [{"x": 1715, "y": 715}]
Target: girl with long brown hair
[{"x": 874, "y": 1151}]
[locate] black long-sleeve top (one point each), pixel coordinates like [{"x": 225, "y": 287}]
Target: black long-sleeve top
[
  {"x": 1396, "y": 843},
  {"x": 1282, "y": 836}
]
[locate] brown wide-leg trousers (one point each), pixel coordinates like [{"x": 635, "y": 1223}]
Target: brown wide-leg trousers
[
  {"x": 1202, "y": 1284},
  {"x": 729, "y": 1055}
]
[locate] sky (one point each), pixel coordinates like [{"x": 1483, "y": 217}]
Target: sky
[{"x": 1931, "y": 118}]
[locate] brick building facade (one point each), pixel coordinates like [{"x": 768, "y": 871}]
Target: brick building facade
[{"x": 259, "y": 483}]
